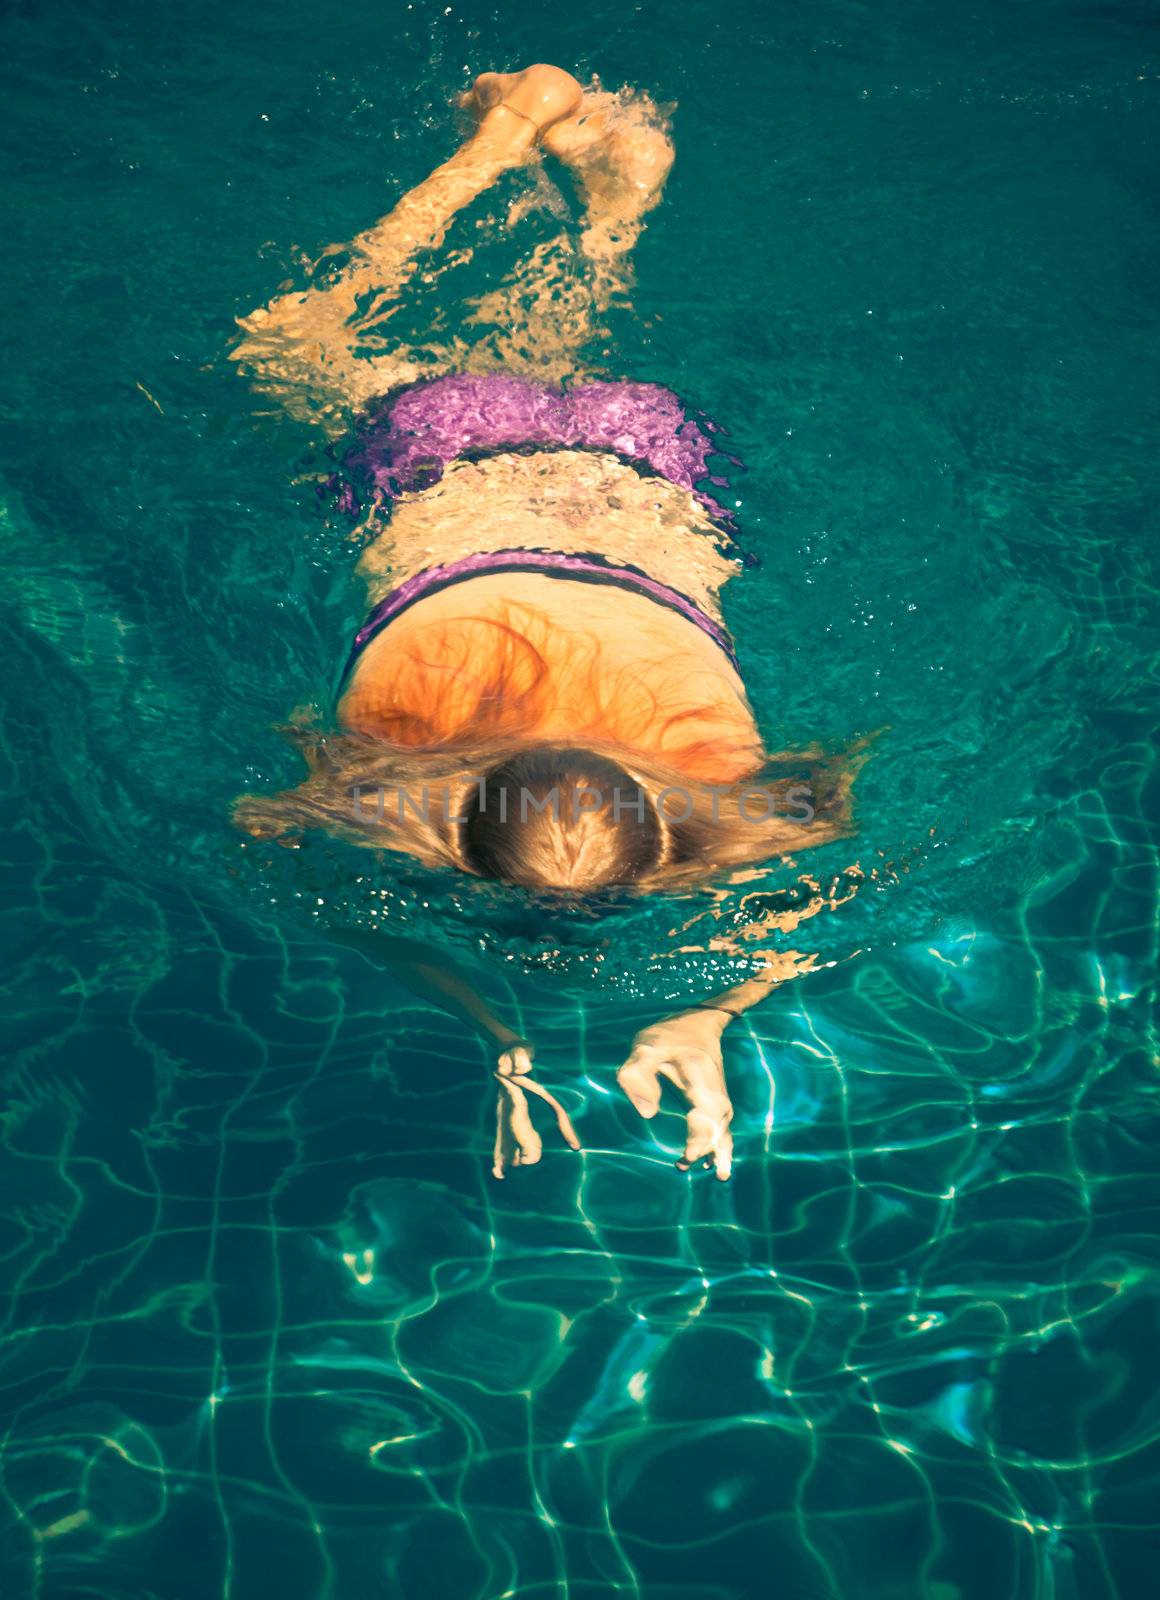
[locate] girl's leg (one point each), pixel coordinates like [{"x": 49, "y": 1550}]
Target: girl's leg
[
  {"x": 303, "y": 345},
  {"x": 322, "y": 351},
  {"x": 550, "y": 307},
  {"x": 620, "y": 149}
]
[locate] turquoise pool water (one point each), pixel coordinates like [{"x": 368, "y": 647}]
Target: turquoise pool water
[{"x": 270, "y": 1326}]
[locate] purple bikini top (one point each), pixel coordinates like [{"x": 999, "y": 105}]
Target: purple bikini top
[
  {"x": 408, "y": 438},
  {"x": 551, "y": 564}
]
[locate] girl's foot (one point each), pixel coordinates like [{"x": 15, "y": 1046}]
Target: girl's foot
[
  {"x": 621, "y": 152},
  {"x": 536, "y": 99}
]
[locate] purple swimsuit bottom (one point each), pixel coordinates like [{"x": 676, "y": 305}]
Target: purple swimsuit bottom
[{"x": 410, "y": 438}]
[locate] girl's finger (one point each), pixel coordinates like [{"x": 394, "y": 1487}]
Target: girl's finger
[
  {"x": 516, "y": 1059},
  {"x": 563, "y": 1120},
  {"x": 703, "y": 1138},
  {"x": 724, "y": 1154},
  {"x": 638, "y": 1079},
  {"x": 528, "y": 1140},
  {"x": 711, "y": 1145},
  {"x": 498, "y": 1154},
  {"x": 695, "y": 1150}
]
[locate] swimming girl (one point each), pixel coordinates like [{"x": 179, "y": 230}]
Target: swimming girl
[{"x": 544, "y": 692}]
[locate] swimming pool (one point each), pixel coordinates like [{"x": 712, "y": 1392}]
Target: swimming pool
[{"x": 271, "y": 1326}]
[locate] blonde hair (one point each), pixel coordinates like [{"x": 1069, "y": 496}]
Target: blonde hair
[
  {"x": 653, "y": 828},
  {"x": 419, "y": 781}
]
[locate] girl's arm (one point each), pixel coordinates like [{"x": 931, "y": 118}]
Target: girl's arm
[{"x": 428, "y": 974}]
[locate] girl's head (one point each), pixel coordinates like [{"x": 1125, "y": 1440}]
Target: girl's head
[
  {"x": 561, "y": 819},
  {"x": 555, "y": 817}
]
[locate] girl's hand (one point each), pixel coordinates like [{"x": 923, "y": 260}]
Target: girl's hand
[
  {"x": 687, "y": 1051},
  {"x": 517, "y": 1144}
]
